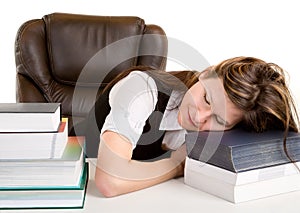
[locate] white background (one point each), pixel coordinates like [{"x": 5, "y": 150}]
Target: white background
[{"x": 218, "y": 29}]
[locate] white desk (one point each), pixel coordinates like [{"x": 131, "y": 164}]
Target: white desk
[{"x": 174, "y": 196}]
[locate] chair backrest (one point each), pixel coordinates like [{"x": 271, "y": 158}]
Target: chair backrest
[{"x": 61, "y": 56}]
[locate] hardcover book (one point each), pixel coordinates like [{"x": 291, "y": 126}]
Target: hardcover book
[
  {"x": 41, "y": 198},
  {"x": 30, "y": 117},
  {"x": 34, "y": 145},
  {"x": 239, "y": 150},
  {"x": 64, "y": 171},
  {"x": 242, "y": 186}
]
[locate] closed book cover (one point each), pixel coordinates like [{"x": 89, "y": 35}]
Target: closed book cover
[
  {"x": 30, "y": 117},
  {"x": 240, "y": 150},
  {"x": 243, "y": 186},
  {"x": 34, "y": 145},
  {"x": 241, "y": 178},
  {"x": 45, "y": 172},
  {"x": 46, "y": 198}
]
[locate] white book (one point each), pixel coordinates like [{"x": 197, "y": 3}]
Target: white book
[
  {"x": 243, "y": 186},
  {"x": 69, "y": 177},
  {"x": 30, "y": 117},
  {"x": 45, "y": 197},
  {"x": 34, "y": 145},
  {"x": 65, "y": 171}
]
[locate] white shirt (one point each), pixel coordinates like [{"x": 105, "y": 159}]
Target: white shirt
[{"x": 132, "y": 100}]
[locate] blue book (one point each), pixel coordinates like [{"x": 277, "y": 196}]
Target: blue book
[{"x": 239, "y": 150}]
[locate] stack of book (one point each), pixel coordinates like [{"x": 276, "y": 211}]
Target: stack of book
[
  {"x": 40, "y": 165},
  {"x": 240, "y": 166}
]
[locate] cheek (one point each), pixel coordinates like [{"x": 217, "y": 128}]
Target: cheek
[
  {"x": 179, "y": 118},
  {"x": 196, "y": 94},
  {"x": 185, "y": 102},
  {"x": 191, "y": 97}
]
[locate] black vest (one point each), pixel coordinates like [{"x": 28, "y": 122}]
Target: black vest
[{"x": 149, "y": 144}]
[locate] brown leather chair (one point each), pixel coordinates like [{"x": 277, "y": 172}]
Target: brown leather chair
[{"x": 62, "y": 56}]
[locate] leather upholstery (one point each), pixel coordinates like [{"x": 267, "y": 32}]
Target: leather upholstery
[{"x": 61, "y": 55}]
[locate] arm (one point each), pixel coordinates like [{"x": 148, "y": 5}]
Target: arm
[{"x": 117, "y": 174}]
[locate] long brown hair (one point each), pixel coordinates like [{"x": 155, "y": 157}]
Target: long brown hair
[{"x": 260, "y": 90}]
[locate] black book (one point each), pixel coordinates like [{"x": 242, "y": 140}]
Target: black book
[
  {"x": 30, "y": 117},
  {"x": 238, "y": 150}
]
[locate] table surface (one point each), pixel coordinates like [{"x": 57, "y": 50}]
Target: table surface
[{"x": 174, "y": 196}]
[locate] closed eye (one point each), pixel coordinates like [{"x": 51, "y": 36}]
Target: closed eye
[
  {"x": 206, "y": 100},
  {"x": 220, "y": 121}
]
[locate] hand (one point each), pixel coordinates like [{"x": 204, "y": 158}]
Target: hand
[
  {"x": 179, "y": 154},
  {"x": 178, "y": 158}
]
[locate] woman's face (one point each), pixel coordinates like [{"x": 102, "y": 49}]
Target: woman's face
[{"x": 205, "y": 106}]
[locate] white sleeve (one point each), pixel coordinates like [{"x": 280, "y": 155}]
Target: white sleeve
[{"x": 132, "y": 100}]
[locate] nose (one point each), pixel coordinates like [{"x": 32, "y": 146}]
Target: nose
[{"x": 202, "y": 116}]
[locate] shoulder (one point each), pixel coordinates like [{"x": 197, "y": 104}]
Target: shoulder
[
  {"x": 139, "y": 77},
  {"x": 131, "y": 100},
  {"x": 136, "y": 87},
  {"x": 137, "y": 82}
]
